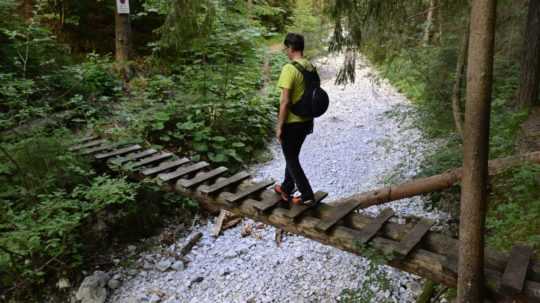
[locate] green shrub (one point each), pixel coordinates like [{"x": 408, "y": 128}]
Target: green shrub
[{"x": 514, "y": 210}]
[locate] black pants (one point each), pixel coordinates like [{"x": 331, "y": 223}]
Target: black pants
[{"x": 293, "y": 136}]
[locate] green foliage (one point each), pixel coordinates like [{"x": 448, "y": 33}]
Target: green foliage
[
  {"x": 211, "y": 102},
  {"x": 46, "y": 194},
  {"x": 36, "y": 166},
  {"x": 514, "y": 211},
  {"x": 306, "y": 20},
  {"x": 43, "y": 238},
  {"x": 38, "y": 77}
]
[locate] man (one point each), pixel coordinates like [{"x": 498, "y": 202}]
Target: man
[{"x": 291, "y": 130}]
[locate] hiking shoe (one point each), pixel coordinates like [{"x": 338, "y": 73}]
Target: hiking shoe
[
  {"x": 300, "y": 201},
  {"x": 285, "y": 196}
]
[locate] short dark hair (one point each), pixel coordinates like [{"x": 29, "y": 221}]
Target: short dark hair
[{"x": 294, "y": 41}]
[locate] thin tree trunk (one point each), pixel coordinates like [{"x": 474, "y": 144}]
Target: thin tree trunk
[
  {"x": 456, "y": 91},
  {"x": 250, "y": 7},
  {"x": 530, "y": 62},
  {"x": 475, "y": 153},
  {"x": 429, "y": 23},
  {"x": 123, "y": 32},
  {"x": 26, "y": 9},
  {"x": 430, "y": 184}
]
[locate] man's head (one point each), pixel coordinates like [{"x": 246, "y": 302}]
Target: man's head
[{"x": 294, "y": 45}]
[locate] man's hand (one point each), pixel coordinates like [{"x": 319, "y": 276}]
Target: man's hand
[{"x": 278, "y": 134}]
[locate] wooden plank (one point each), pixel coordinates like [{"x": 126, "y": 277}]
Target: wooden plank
[
  {"x": 366, "y": 234},
  {"x": 86, "y": 139},
  {"x": 100, "y": 148},
  {"x": 187, "y": 183},
  {"x": 515, "y": 272},
  {"x": 338, "y": 213},
  {"x": 149, "y": 160},
  {"x": 296, "y": 211},
  {"x": 413, "y": 237},
  {"x": 250, "y": 191},
  {"x": 183, "y": 171},
  {"x": 133, "y": 157},
  {"x": 87, "y": 145},
  {"x": 267, "y": 203},
  {"x": 118, "y": 152},
  {"x": 164, "y": 166},
  {"x": 237, "y": 178}
]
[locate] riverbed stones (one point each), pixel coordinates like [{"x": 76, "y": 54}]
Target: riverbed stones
[{"x": 92, "y": 289}]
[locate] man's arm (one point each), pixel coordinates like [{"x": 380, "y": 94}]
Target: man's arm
[{"x": 283, "y": 107}]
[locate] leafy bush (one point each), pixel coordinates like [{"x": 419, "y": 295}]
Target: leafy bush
[
  {"x": 211, "y": 103},
  {"x": 514, "y": 210}
]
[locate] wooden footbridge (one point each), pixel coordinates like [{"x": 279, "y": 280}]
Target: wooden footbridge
[{"x": 409, "y": 247}]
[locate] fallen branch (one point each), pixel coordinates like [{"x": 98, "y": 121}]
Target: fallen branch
[
  {"x": 232, "y": 222},
  {"x": 224, "y": 221},
  {"x": 190, "y": 242},
  {"x": 219, "y": 223},
  {"x": 429, "y": 184}
]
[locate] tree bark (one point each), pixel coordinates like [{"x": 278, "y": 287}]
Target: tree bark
[
  {"x": 123, "y": 33},
  {"x": 530, "y": 62},
  {"x": 27, "y": 9},
  {"x": 429, "y": 23},
  {"x": 456, "y": 91},
  {"x": 250, "y": 7},
  {"x": 430, "y": 184},
  {"x": 475, "y": 153}
]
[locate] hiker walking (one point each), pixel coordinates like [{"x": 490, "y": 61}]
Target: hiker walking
[{"x": 292, "y": 129}]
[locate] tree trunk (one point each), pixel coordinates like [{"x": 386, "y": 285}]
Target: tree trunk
[
  {"x": 27, "y": 9},
  {"x": 430, "y": 184},
  {"x": 530, "y": 62},
  {"x": 123, "y": 32},
  {"x": 475, "y": 152},
  {"x": 429, "y": 23},
  {"x": 250, "y": 7},
  {"x": 456, "y": 91}
]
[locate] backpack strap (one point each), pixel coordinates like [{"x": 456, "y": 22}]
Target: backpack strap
[{"x": 298, "y": 66}]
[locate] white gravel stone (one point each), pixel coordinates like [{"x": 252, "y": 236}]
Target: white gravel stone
[
  {"x": 163, "y": 265},
  {"x": 353, "y": 149},
  {"x": 178, "y": 266}
]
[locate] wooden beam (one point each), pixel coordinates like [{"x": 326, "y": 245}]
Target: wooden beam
[
  {"x": 133, "y": 157},
  {"x": 255, "y": 188},
  {"x": 514, "y": 275},
  {"x": 214, "y": 188},
  {"x": 203, "y": 177},
  {"x": 183, "y": 171},
  {"x": 164, "y": 166}
]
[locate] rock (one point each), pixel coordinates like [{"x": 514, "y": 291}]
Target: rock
[
  {"x": 164, "y": 265},
  {"x": 92, "y": 289},
  {"x": 172, "y": 299},
  {"x": 196, "y": 280},
  {"x": 147, "y": 265},
  {"x": 114, "y": 283},
  {"x": 178, "y": 266},
  {"x": 154, "y": 298},
  {"x": 230, "y": 254}
]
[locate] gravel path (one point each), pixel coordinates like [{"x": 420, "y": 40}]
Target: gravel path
[{"x": 354, "y": 147}]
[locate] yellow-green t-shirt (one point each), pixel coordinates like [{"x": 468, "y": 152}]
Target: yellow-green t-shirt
[{"x": 291, "y": 78}]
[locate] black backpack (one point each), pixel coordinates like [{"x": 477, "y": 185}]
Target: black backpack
[{"x": 314, "y": 102}]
